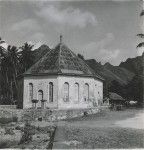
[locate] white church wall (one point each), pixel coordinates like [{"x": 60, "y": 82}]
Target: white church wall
[
  {"x": 40, "y": 83},
  {"x": 93, "y": 93},
  {"x": 98, "y": 91}
]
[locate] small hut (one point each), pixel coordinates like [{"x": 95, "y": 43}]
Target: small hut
[{"x": 116, "y": 101}]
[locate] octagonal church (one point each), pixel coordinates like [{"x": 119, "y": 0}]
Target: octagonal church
[{"x": 61, "y": 80}]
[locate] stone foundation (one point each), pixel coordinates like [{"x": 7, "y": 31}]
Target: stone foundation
[
  {"x": 54, "y": 115},
  {"x": 45, "y": 114}
]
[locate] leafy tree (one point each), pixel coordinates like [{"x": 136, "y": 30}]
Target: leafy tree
[
  {"x": 12, "y": 63},
  {"x": 116, "y": 87},
  {"x": 135, "y": 89},
  {"x": 141, "y": 44}
]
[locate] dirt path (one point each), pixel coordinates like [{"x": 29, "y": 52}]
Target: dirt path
[
  {"x": 136, "y": 122},
  {"x": 127, "y": 122},
  {"x": 112, "y": 119}
]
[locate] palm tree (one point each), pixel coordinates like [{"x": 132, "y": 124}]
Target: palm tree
[
  {"x": 140, "y": 45},
  {"x": 10, "y": 69},
  {"x": 1, "y": 49},
  {"x": 14, "y": 60},
  {"x": 141, "y": 35},
  {"x": 26, "y": 56}
]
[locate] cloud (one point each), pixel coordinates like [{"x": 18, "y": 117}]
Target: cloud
[
  {"x": 107, "y": 54},
  {"x": 28, "y": 29},
  {"x": 69, "y": 16},
  {"x": 26, "y": 25},
  {"x": 109, "y": 37},
  {"x": 38, "y": 36},
  {"x": 100, "y": 49}
]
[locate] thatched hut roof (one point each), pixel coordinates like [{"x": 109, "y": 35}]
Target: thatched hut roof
[
  {"x": 115, "y": 96},
  {"x": 61, "y": 60}
]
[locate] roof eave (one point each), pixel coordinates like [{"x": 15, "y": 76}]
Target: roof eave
[{"x": 64, "y": 74}]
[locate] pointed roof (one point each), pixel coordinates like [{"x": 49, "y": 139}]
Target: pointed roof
[{"x": 61, "y": 60}]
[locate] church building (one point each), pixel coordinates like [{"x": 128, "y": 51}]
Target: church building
[{"x": 61, "y": 80}]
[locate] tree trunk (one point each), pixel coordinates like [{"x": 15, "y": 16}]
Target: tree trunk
[{"x": 143, "y": 78}]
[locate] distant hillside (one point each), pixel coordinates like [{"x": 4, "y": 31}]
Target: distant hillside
[
  {"x": 40, "y": 52},
  {"x": 110, "y": 72},
  {"x": 124, "y": 79},
  {"x": 133, "y": 64}
]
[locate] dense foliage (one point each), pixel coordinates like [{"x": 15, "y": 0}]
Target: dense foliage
[{"x": 13, "y": 61}]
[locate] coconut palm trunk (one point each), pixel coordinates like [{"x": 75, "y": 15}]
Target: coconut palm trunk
[
  {"x": 141, "y": 47},
  {"x": 1, "y": 48},
  {"x": 143, "y": 75}
]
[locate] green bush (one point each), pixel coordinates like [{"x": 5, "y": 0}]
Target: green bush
[
  {"x": 4, "y": 120},
  {"x": 3, "y": 145},
  {"x": 28, "y": 131},
  {"x": 18, "y": 128},
  {"x": 15, "y": 119},
  {"x": 9, "y": 131}
]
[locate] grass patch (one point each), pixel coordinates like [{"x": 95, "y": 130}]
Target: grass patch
[{"x": 106, "y": 137}]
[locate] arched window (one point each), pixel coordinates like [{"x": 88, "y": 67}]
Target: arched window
[
  {"x": 40, "y": 99},
  {"x": 66, "y": 92},
  {"x": 86, "y": 92},
  {"x": 50, "y": 92},
  {"x": 40, "y": 95},
  {"x": 76, "y": 92},
  {"x": 30, "y": 91}
]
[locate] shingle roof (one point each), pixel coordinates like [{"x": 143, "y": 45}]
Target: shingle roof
[
  {"x": 61, "y": 60},
  {"x": 115, "y": 96}
]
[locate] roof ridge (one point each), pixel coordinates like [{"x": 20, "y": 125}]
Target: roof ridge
[{"x": 59, "y": 56}]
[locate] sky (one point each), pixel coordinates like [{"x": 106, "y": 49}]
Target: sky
[{"x": 101, "y": 30}]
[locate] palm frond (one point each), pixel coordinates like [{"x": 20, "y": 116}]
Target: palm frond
[
  {"x": 140, "y": 35},
  {"x": 140, "y": 45},
  {"x": 1, "y": 41},
  {"x": 142, "y": 13}
]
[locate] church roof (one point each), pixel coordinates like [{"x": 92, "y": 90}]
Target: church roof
[{"x": 61, "y": 60}]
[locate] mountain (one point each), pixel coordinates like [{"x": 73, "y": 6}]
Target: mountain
[
  {"x": 110, "y": 72},
  {"x": 40, "y": 52},
  {"x": 125, "y": 79},
  {"x": 133, "y": 64}
]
